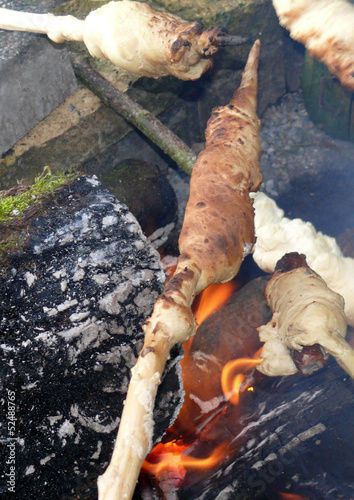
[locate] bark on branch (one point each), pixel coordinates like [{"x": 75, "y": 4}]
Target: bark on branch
[{"x": 135, "y": 114}]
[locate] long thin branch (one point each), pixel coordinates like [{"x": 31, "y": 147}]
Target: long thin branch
[{"x": 135, "y": 114}]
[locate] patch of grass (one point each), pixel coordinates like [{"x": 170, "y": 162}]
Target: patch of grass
[{"x": 14, "y": 206}]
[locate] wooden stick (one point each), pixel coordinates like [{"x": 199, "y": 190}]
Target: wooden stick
[
  {"x": 224, "y": 174},
  {"x": 58, "y": 28},
  {"x": 135, "y": 114}
]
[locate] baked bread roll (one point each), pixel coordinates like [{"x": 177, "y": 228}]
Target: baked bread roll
[
  {"x": 217, "y": 233},
  {"x": 134, "y": 37},
  {"x": 277, "y": 235},
  {"x": 305, "y": 313}
]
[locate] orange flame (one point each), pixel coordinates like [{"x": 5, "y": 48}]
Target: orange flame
[
  {"x": 164, "y": 456},
  {"x": 291, "y": 496},
  {"x": 212, "y": 299},
  {"x": 209, "y": 301},
  {"x": 171, "y": 456},
  {"x": 233, "y": 377}
]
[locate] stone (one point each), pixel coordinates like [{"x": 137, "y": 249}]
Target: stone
[
  {"x": 327, "y": 102},
  {"x": 35, "y": 77},
  {"x": 73, "y": 299},
  {"x": 147, "y": 193}
]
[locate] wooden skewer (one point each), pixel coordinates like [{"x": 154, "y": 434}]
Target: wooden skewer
[
  {"x": 217, "y": 233},
  {"x": 58, "y": 28}
]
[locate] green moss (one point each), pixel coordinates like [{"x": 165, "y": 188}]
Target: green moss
[{"x": 14, "y": 206}]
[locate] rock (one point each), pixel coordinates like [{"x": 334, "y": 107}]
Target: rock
[
  {"x": 147, "y": 193},
  {"x": 35, "y": 77},
  {"x": 73, "y": 299},
  {"x": 327, "y": 102}
]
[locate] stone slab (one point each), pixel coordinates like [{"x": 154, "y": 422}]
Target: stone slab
[{"x": 35, "y": 77}]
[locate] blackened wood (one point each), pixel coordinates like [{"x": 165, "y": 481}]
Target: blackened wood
[{"x": 297, "y": 437}]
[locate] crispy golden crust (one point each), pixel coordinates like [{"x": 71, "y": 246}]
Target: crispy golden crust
[
  {"x": 326, "y": 28},
  {"x": 139, "y": 39},
  {"x": 218, "y": 229}
]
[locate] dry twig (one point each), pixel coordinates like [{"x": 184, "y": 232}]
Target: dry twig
[{"x": 135, "y": 114}]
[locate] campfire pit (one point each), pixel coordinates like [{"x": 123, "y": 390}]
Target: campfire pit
[
  {"x": 261, "y": 438},
  {"x": 285, "y": 436}
]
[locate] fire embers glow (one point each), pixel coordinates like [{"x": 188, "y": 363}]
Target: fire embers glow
[
  {"x": 291, "y": 496},
  {"x": 218, "y": 371}
]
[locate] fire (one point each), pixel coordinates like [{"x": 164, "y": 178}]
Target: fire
[
  {"x": 212, "y": 299},
  {"x": 291, "y": 496},
  {"x": 164, "y": 456},
  {"x": 233, "y": 378},
  {"x": 172, "y": 459},
  {"x": 172, "y": 456},
  {"x": 209, "y": 301}
]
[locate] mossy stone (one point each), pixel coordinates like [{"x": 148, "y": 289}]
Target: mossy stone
[{"x": 327, "y": 102}]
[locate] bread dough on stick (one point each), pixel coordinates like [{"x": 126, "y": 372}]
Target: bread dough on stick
[
  {"x": 277, "y": 235},
  {"x": 134, "y": 37},
  {"x": 217, "y": 233},
  {"x": 305, "y": 313},
  {"x": 326, "y": 28}
]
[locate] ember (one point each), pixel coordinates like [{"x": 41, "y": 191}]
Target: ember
[
  {"x": 228, "y": 432},
  {"x": 173, "y": 456},
  {"x": 291, "y": 496}
]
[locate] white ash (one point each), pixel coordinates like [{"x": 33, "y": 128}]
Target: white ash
[
  {"x": 160, "y": 236},
  {"x": 66, "y": 429},
  {"x": 209, "y": 405},
  {"x": 94, "y": 423},
  {"x": 29, "y": 470},
  {"x": 30, "y": 278}
]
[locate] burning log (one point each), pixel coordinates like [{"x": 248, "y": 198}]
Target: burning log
[
  {"x": 217, "y": 233},
  {"x": 275, "y": 451},
  {"x": 255, "y": 447},
  {"x": 326, "y": 28},
  {"x": 305, "y": 313},
  {"x": 277, "y": 235},
  {"x": 134, "y": 37},
  {"x": 228, "y": 334}
]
